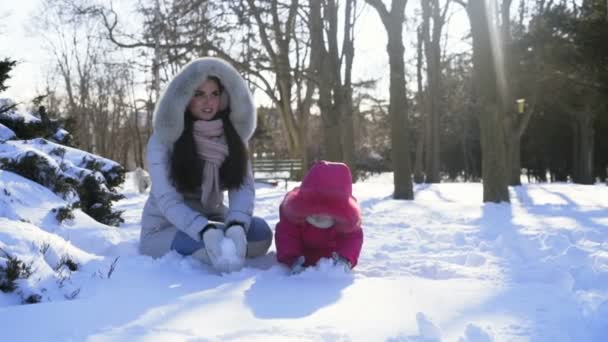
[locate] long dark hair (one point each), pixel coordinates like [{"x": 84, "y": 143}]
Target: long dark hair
[{"x": 186, "y": 166}]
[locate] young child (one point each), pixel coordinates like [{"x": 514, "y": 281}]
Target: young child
[{"x": 320, "y": 219}]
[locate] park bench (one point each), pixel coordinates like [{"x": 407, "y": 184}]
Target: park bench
[{"x": 271, "y": 171}]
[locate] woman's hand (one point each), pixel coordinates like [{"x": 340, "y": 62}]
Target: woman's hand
[
  {"x": 212, "y": 237},
  {"x": 236, "y": 233}
]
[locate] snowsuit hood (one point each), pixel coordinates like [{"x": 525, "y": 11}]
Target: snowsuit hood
[{"x": 326, "y": 189}]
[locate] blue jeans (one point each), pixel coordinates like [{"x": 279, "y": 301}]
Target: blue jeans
[{"x": 258, "y": 233}]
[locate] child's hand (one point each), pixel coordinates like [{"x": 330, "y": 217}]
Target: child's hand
[
  {"x": 341, "y": 262},
  {"x": 298, "y": 265}
]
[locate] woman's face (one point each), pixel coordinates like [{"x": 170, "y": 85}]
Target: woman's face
[{"x": 206, "y": 101}]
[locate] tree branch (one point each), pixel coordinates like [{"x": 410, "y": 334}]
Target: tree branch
[
  {"x": 7, "y": 108},
  {"x": 461, "y": 3},
  {"x": 381, "y": 9},
  {"x": 263, "y": 33}
]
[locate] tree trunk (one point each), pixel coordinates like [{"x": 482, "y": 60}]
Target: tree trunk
[
  {"x": 398, "y": 113},
  {"x": 348, "y": 50},
  {"x": 583, "y": 148},
  {"x": 493, "y": 156},
  {"x": 515, "y": 123},
  {"x": 335, "y": 96},
  {"x": 303, "y": 134},
  {"x": 514, "y": 160},
  {"x": 155, "y": 65},
  {"x": 398, "y": 110},
  {"x": 282, "y": 33},
  {"x": 432, "y": 50},
  {"x": 138, "y": 143},
  {"x": 466, "y": 157},
  {"x": 325, "y": 75},
  {"x": 422, "y": 109},
  {"x": 489, "y": 107},
  {"x": 347, "y": 134},
  {"x": 331, "y": 125}
]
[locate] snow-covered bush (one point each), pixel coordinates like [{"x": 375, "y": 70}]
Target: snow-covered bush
[
  {"x": 83, "y": 179},
  {"x": 27, "y": 126},
  {"x": 36, "y": 265},
  {"x": 11, "y": 270},
  {"x": 83, "y": 187},
  {"x": 6, "y": 133},
  {"x": 113, "y": 175},
  {"x": 64, "y": 213},
  {"x": 96, "y": 201},
  {"x": 34, "y": 166}
]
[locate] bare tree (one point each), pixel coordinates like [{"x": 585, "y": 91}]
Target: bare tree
[
  {"x": 335, "y": 93},
  {"x": 76, "y": 50},
  {"x": 278, "y": 39},
  {"x": 515, "y": 122},
  {"x": 398, "y": 107},
  {"x": 348, "y": 112},
  {"x": 94, "y": 81},
  {"x": 421, "y": 102},
  {"x": 432, "y": 13}
]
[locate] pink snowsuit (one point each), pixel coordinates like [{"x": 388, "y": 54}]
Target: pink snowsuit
[{"x": 327, "y": 190}]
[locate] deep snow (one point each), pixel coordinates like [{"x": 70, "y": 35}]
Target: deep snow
[{"x": 442, "y": 267}]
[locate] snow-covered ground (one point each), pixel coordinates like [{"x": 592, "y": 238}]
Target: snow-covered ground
[{"x": 443, "y": 267}]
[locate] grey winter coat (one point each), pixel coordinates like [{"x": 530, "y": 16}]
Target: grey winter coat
[{"x": 166, "y": 209}]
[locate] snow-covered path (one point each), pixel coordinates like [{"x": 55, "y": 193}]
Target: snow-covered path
[{"x": 443, "y": 267}]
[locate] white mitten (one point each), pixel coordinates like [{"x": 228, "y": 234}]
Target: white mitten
[
  {"x": 201, "y": 254},
  {"x": 236, "y": 233},
  {"x": 212, "y": 237}
]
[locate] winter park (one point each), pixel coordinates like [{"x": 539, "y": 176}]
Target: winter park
[{"x": 262, "y": 170}]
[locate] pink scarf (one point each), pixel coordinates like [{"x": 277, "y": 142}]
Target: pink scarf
[{"x": 212, "y": 148}]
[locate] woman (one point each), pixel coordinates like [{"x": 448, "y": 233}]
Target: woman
[{"x": 202, "y": 124}]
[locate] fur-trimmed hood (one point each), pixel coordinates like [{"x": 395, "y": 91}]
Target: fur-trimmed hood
[{"x": 169, "y": 111}]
